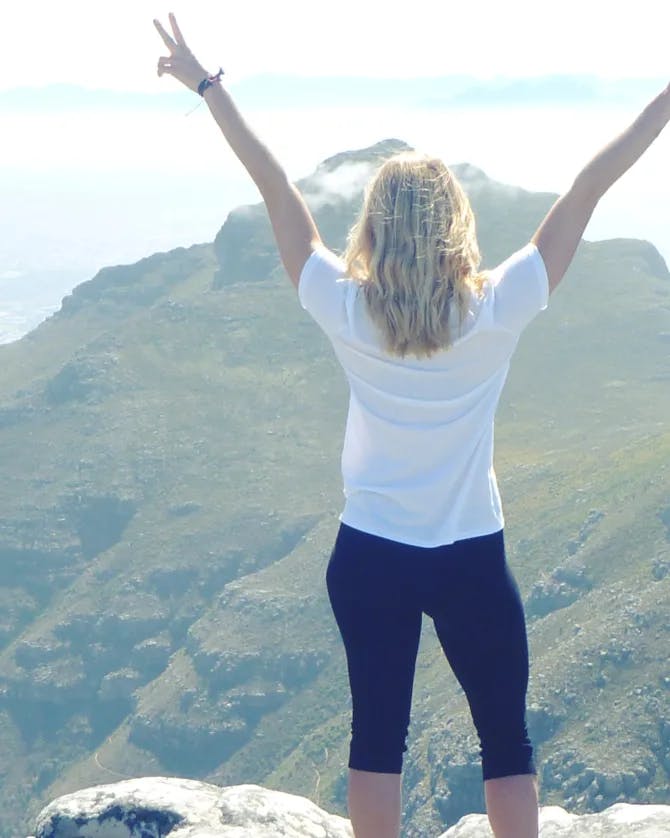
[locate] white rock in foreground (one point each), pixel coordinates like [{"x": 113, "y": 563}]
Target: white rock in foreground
[
  {"x": 623, "y": 820},
  {"x": 151, "y": 807}
]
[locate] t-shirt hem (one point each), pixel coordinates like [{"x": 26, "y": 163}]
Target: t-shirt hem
[
  {"x": 541, "y": 274},
  {"x": 399, "y": 537},
  {"x": 305, "y": 274}
]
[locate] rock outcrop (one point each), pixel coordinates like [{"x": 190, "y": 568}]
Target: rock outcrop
[
  {"x": 623, "y": 820},
  {"x": 151, "y": 807}
]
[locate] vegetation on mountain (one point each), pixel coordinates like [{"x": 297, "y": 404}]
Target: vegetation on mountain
[{"x": 170, "y": 450}]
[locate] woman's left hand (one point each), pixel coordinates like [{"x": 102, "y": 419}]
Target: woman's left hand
[{"x": 181, "y": 63}]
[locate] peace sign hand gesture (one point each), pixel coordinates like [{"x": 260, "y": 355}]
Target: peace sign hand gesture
[{"x": 181, "y": 63}]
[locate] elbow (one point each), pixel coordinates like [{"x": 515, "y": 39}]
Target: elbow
[{"x": 587, "y": 190}]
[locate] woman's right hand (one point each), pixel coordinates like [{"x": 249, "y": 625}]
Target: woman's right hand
[{"x": 181, "y": 63}]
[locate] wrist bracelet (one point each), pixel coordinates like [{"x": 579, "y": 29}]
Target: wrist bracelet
[{"x": 209, "y": 81}]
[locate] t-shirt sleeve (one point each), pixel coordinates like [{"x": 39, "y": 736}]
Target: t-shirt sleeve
[
  {"x": 322, "y": 289},
  {"x": 520, "y": 288}
]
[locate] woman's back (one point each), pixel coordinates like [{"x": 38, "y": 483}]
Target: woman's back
[{"x": 418, "y": 452}]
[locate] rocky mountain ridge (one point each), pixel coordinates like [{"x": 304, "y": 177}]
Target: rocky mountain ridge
[{"x": 170, "y": 492}]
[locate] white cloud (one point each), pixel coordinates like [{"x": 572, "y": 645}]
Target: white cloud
[{"x": 341, "y": 184}]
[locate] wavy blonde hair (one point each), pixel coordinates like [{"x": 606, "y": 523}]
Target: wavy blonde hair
[{"x": 414, "y": 252}]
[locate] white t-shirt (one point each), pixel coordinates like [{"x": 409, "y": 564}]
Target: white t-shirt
[{"x": 417, "y": 461}]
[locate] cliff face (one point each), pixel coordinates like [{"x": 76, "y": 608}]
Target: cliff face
[{"x": 169, "y": 445}]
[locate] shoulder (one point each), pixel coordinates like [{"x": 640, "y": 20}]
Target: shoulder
[
  {"x": 527, "y": 259},
  {"x": 323, "y": 263},
  {"x": 323, "y": 287},
  {"x": 520, "y": 288}
]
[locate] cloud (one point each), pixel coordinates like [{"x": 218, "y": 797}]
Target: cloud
[{"x": 338, "y": 185}]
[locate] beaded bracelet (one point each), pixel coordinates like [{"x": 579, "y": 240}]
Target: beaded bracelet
[{"x": 209, "y": 81}]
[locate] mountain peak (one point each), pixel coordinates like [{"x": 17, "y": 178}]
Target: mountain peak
[{"x": 372, "y": 154}]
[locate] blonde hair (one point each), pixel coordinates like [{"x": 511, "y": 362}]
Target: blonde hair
[{"x": 414, "y": 252}]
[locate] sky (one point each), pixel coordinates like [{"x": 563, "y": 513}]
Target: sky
[
  {"x": 114, "y": 45},
  {"x": 91, "y": 185}
]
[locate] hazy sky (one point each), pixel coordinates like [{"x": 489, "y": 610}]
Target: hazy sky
[
  {"x": 88, "y": 186},
  {"x": 114, "y": 44}
]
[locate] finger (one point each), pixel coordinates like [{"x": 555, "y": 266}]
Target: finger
[
  {"x": 177, "y": 31},
  {"x": 167, "y": 40}
]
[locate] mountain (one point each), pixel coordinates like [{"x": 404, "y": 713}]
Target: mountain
[
  {"x": 29, "y": 297},
  {"x": 170, "y": 447}
]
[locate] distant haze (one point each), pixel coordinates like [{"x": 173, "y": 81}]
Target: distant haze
[{"x": 92, "y": 178}]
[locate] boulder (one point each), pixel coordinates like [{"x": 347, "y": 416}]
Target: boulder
[
  {"x": 151, "y": 807},
  {"x": 623, "y": 820}
]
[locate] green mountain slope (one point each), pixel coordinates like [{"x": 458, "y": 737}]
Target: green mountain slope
[{"x": 170, "y": 459}]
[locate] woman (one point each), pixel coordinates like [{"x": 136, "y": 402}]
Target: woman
[{"x": 425, "y": 340}]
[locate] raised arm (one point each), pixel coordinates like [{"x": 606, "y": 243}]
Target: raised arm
[
  {"x": 292, "y": 222},
  {"x": 560, "y": 232}
]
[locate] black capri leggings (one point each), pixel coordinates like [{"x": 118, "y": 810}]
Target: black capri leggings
[{"x": 379, "y": 590}]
